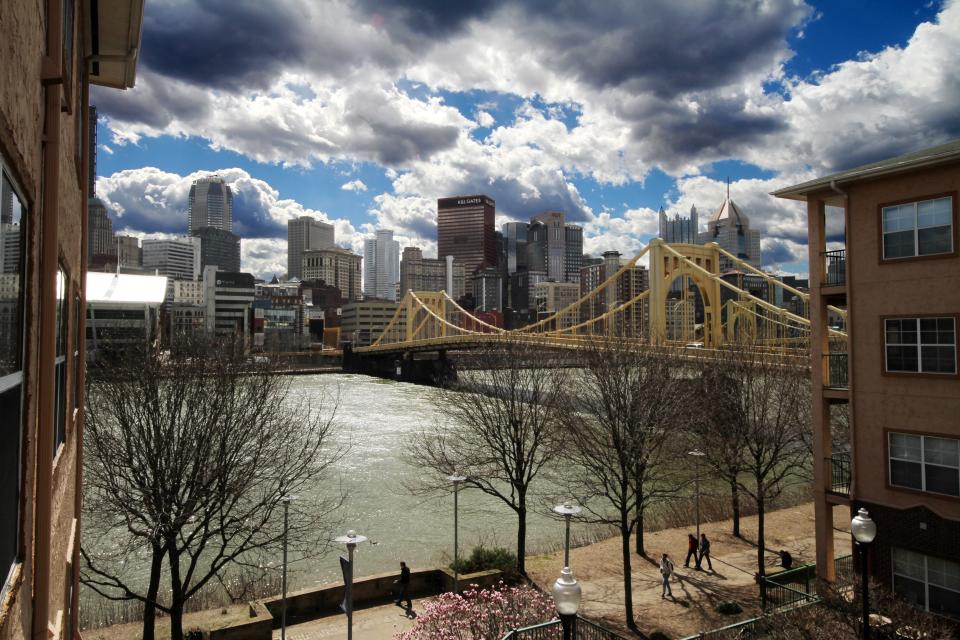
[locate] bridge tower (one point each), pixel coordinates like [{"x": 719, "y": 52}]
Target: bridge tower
[
  {"x": 426, "y": 319},
  {"x": 666, "y": 267}
]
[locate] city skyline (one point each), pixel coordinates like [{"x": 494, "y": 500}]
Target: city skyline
[{"x": 372, "y": 139}]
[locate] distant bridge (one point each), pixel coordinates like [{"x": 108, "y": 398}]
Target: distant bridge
[{"x": 660, "y": 316}]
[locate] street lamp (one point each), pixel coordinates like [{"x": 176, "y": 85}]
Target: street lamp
[
  {"x": 352, "y": 539},
  {"x": 456, "y": 479},
  {"x": 697, "y": 454},
  {"x": 864, "y": 530},
  {"x": 286, "y": 499},
  {"x": 566, "y": 595},
  {"x": 567, "y": 510}
]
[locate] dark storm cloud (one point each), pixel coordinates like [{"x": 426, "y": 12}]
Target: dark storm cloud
[
  {"x": 666, "y": 47},
  {"x": 153, "y": 103},
  {"x": 251, "y": 216},
  {"x": 513, "y": 198},
  {"x": 434, "y": 18},
  {"x": 775, "y": 252},
  {"x": 222, "y": 43}
]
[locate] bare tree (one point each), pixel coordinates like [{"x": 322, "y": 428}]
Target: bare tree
[
  {"x": 719, "y": 431},
  {"x": 188, "y": 457},
  {"x": 620, "y": 425},
  {"x": 502, "y": 429},
  {"x": 768, "y": 398}
]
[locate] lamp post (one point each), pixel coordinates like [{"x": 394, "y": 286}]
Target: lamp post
[
  {"x": 352, "y": 539},
  {"x": 566, "y": 595},
  {"x": 567, "y": 510},
  {"x": 697, "y": 454},
  {"x": 864, "y": 530},
  {"x": 286, "y": 499},
  {"x": 456, "y": 479}
]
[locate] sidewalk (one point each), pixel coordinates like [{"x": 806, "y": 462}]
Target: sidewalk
[
  {"x": 598, "y": 568},
  {"x": 375, "y": 623}
]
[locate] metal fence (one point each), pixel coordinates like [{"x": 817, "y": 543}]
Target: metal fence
[
  {"x": 837, "y": 370},
  {"x": 839, "y": 465},
  {"x": 836, "y": 263},
  {"x": 582, "y": 629}
]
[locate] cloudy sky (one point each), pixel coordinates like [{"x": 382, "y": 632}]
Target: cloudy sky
[{"x": 364, "y": 112}]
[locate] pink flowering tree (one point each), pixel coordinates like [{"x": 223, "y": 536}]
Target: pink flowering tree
[{"x": 481, "y": 614}]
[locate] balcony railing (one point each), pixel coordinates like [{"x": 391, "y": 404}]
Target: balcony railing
[
  {"x": 836, "y": 370},
  {"x": 836, "y": 274},
  {"x": 839, "y": 469},
  {"x": 581, "y": 629}
]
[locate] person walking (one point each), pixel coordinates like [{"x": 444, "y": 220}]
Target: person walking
[
  {"x": 666, "y": 570},
  {"x": 404, "y": 581},
  {"x": 704, "y": 552},
  {"x": 692, "y": 551}
]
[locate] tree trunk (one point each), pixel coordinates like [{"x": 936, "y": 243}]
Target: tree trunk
[
  {"x": 522, "y": 540},
  {"x": 735, "y": 503},
  {"x": 176, "y": 594},
  {"x": 641, "y": 550},
  {"x": 627, "y": 572},
  {"x": 149, "y": 607},
  {"x": 760, "y": 534}
]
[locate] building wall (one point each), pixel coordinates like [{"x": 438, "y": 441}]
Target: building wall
[
  {"x": 363, "y": 322},
  {"x": 48, "y": 486},
  {"x": 465, "y": 230},
  {"x": 337, "y": 267}
]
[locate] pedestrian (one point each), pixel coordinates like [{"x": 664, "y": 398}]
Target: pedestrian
[
  {"x": 404, "y": 581},
  {"x": 786, "y": 560},
  {"x": 666, "y": 570},
  {"x": 691, "y": 551},
  {"x": 705, "y": 551}
]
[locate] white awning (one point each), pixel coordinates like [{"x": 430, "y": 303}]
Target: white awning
[{"x": 125, "y": 288}]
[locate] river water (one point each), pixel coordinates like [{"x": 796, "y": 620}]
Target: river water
[{"x": 376, "y": 419}]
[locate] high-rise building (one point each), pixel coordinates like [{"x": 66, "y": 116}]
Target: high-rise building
[
  {"x": 573, "y": 253},
  {"x": 218, "y": 248},
  {"x": 515, "y": 236},
  {"x": 895, "y": 379},
  {"x": 428, "y": 274},
  {"x": 551, "y": 297},
  {"x": 677, "y": 229},
  {"x": 130, "y": 254},
  {"x": 381, "y": 268},
  {"x": 547, "y": 245},
  {"x": 730, "y": 228},
  {"x": 631, "y": 283},
  {"x": 211, "y": 204},
  {"x": 100, "y": 238},
  {"x": 465, "y": 230},
  {"x": 306, "y": 234},
  {"x": 92, "y": 152},
  {"x": 488, "y": 289},
  {"x": 177, "y": 258},
  {"x": 9, "y": 247},
  {"x": 335, "y": 266}
]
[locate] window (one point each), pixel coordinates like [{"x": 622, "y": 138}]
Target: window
[
  {"x": 926, "y": 463},
  {"x": 921, "y": 345},
  {"x": 60, "y": 364},
  {"x": 77, "y": 321},
  {"x": 930, "y": 583},
  {"x": 914, "y": 229},
  {"x": 13, "y": 221}
]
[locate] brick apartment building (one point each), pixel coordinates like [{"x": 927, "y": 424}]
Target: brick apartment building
[
  {"x": 52, "y": 50},
  {"x": 898, "y": 277}
]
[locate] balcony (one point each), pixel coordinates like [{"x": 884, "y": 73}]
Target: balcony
[
  {"x": 836, "y": 374},
  {"x": 838, "y": 467},
  {"x": 836, "y": 272}
]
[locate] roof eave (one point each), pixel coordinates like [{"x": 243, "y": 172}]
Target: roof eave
[{"x": 115, "y": 49}]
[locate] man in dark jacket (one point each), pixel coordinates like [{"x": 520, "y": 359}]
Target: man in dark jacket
[
  {"x": 404, "y": 581},
  {"x": 705, "y": 551}
]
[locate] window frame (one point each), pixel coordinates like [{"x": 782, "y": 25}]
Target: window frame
[
  {"x": 888, "y": 433},
  {"x": 926, "y": 576},
  {"x": 916, "y": 200},
  {"x": 15, "y": 379},
  {"x": 919, "y": 372}
]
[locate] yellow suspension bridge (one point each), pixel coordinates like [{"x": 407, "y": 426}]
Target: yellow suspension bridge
[{"x": 659, "y": 316}]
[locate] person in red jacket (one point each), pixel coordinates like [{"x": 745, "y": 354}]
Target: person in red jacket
[{"x": 692, "y": 551}]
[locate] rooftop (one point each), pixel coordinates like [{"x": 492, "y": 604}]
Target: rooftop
[
  {"x": 125, "y": 288},
  {"x": 944, "y": 153}
]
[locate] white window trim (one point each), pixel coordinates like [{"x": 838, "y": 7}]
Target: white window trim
[
  {"x": 926, "y": 576},
  {"x": 916, "y": 229},
  {"x": 919, "y": 346},
  {"x": 922, "y": 462}
]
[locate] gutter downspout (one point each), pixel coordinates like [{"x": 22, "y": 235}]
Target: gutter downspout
[{"x": 52, "y": 62}]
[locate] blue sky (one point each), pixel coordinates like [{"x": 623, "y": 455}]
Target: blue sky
[{"x": 363, "y": 113}]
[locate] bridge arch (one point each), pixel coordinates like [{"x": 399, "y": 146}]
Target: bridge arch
[{"x": 666, "y": 267}]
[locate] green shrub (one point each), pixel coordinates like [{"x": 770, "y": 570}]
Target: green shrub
[
  {"x": 484, "y": 559},
  {"x": 728, "y": 608}
]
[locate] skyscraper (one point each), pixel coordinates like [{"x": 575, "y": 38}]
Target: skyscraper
[
  {"x": 465, "y": 230},
  {"x": 211, "y": 204},
  {"x": 218, "y": 248},
  {"x": 305, "y": 234},
  {"x": 176, "y": 257},
  {"x": 428, "y": 274},
  {"x": 515, "y": 235},
  {"x": 573, "y": 253},
  {"x": 547, "y": 244},
  {"x": 100, "y": 238},
  {"x": 730, "y": 228},
  {"x": 381, "y": 266},
  {"x": 679, "y": 230}
]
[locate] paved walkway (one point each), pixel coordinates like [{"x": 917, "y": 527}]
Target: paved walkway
[{"x": 598, "y": 569}]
